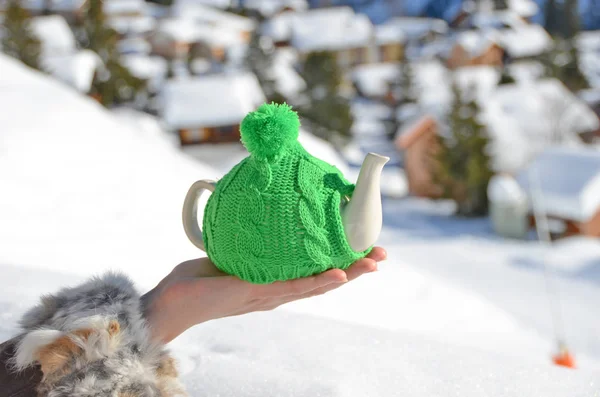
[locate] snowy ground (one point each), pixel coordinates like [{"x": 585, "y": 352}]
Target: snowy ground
[{"x": 454, "y": 311}]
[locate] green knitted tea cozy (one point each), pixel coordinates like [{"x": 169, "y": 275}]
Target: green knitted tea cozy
[{"x": 276, "y": 214}]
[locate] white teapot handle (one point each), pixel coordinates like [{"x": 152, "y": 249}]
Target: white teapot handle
[{"x": 190, "y": 211}]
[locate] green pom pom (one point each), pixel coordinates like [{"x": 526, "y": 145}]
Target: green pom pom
[{"x": 270, "y": 130}]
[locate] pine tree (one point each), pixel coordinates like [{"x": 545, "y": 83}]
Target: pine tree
[
  {"x": 572, "y": 25},
  {"x": 259, "y": 59},
  {"x": 500, "y": 5},
  {"x": 506, "y": 77},
  {"x": 552, "y": 18},
  {"x": 562, "y": 61},
  {"x": 463, "y": 165},
  {"x": 117, "y": 85},
  {"x": 18, "y": 40},
  {"x": 327, "y": 112},
  {"x": 403, "y": 92}
]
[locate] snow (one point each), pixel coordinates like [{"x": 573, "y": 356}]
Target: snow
[
  {"x": 367, "y": 109},
  {"x": 178, "y": 29},
  {"x": 389, "y": 33},
  {"x": 373, "y": 80},
  {"x": 482, "y": 79},
  {"x": 568, "y": 180},
  {"x": 474, "y": 43},
  {"x": 204, "y": 14},
  {"x": 77, "y": 69},
  {"x": 132, "y": 25},
  {"x": 333, "y": 28},
  {"x": 123, "y": 7},
  {"x": 135, "y": 45},
  {"x": 210, "y": 101},
  {"x": 505, "y": 189},
  {"x": 416, "y": 28},
  {"x": 525, "y": 41},
  {"x": 54, "y": 33},
  {"x": 454, "y": 311},
  {"x": 223, "y": 4},
  {"x": 269, "y": 8},
  {"x": 151, "y": 68},
  {"x": 84, "y": 188},
  {"x": 526, "y": 71},
  {"x": 288, "y": 81},
  {"x": 524, "y": 8},
  {"x": 589, "y": 41},
  {"x": 589, "y": 62},
  {"x": 524, "y": 119}
]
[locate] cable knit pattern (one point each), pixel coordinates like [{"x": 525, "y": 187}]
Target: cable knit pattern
[
  {"x": 276, "y": 215},
  {"x": 312, "y": 213}
]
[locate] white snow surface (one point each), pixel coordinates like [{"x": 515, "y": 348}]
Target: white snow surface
[
  {"x": 73, "y": 176},
  {"x": 453, "y": 312}
]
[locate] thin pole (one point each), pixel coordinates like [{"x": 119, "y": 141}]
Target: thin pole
[{"x": 543, "y": 232}]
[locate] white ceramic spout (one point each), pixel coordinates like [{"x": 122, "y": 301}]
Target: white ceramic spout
[{"x": 362, "y": 217}]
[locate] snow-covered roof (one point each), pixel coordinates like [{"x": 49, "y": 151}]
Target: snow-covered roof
[
  {"x": 126, "y": 25},
  {"x": 524, "y": 8},
  {"x": 374, "y": 79},
  {"x": 496, "y": 19},
  {"x": 135, "y": 45},
  {"x": 213, "y": 100},
  {"x": 474, "y": 42},
  {"x": 279, "y": 27},
  {"x": 389, "y": 33},
  {"x": 269, "y": 8},
  {"x": 123, "y": 7},
  {"x": 330, "y": 29},
  {"x": 77, "y": 69},
  {"x": 504, "y": 189},
  {"x": 179, "y": 29},
  {"x": 55, "y": 34},
  {"x": 566, "y": 182},
  {"x": 204, "y": 14},
  {"x": 222, "y": 4},
  {"x": 524, "y": 41},
  {"x": 525, "y": 119},
  {"x": 589, "y": 40},
  {"x": 415, "y": 28}
]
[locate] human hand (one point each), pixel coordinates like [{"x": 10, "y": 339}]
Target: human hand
[{"x": 196, "y": 291}]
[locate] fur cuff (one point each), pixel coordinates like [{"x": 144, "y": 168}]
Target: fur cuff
[{"x": 92, "y": 340}]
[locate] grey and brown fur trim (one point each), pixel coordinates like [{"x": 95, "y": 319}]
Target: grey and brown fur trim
[{"x": 92, "y": 341}]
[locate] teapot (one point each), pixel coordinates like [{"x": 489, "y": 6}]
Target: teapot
[{"x": 281, "y": 213}]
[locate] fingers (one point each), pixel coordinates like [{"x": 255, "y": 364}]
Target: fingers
[
  {"x": 378, "y": 254},
  {"x": 302, "y": 285},
  {"x": 360, "y": 267}
]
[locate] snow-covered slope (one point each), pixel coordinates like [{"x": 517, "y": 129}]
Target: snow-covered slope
[{"x": 82, "y": 189}]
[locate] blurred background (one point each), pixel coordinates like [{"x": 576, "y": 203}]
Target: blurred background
[{"x": 488, "y": 109}]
